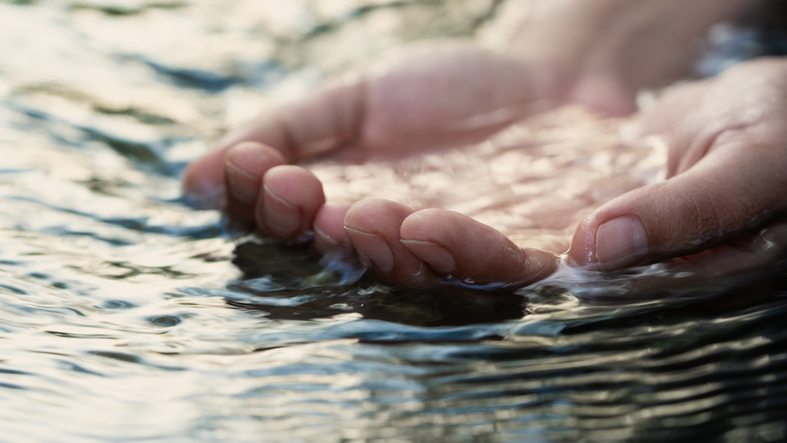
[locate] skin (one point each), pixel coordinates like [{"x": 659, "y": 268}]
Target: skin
[
  {"x": 604, "y": 51},
  {"x": 725, "y": 163},
  {"x": 722, "y": 207}
]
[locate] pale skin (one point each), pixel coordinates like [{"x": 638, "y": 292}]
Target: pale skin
[{"x": 726, "y": 139}]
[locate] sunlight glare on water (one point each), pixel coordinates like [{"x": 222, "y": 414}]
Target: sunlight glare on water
[{"x": 127, "y": 315}]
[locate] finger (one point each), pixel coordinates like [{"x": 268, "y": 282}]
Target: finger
[
  {"x": 676, "y": 114},
  {"x": 742, "y": 255},
  {"x": 289, "y": 200},
  {"x": 734, "y": 188},
  {"x": 245, "y": 164},
  {"x": 373, "y": 227},
  {"x": 456, "y": 245},
  {"x": 329, "y": 232},
  {"x": 326, "y": 119},
  {"x": 728, "y": 267}
]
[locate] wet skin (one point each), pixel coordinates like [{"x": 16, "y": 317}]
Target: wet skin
[{"x": 726, "y": 156}]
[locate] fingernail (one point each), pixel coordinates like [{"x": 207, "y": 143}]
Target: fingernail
[
  {"x": 620, "y": 242},
  {"x": 436, "y": 256},
  {"x": 203, "y": 199},
  {"x": 243, "y": 186},
  {"x": 203, "y": 181},
  {"x": 374, "y": 248},
  {"x": 203, "y": 194},
  {"x": 281, "y": 217}
]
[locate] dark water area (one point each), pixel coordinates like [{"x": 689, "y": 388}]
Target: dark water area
[{"x": 126, "y": 315}]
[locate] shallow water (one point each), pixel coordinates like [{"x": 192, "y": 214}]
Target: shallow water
[{"x": 126, "y": 315}]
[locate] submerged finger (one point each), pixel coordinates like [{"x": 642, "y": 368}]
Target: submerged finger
[
  {"x": 245, "y": 164},
  {"x": 329, "y": 232},
  {"x": 289, "y": 199},
  {"x": 373, "y": 227},
  {"x": 455, "y": 245}
]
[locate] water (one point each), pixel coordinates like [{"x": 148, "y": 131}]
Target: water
[{"x": 126, "y": 315}]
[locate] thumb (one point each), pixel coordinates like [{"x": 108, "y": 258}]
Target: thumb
[{"x": 729, "y": 191}]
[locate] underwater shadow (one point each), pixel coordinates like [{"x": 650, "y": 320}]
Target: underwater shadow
[{"x": 287, "y": 282}]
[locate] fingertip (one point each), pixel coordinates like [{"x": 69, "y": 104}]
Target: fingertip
[
  {"x": 203, "y": 180},
  {"x": 373, "y": 226},
  {"x": 456, "y": 245},
  {"x": 440, "y": 259},
  {"x": 421, "y": 234},
  {"x": 582, "y": 251},
  {"x": 329, "y": 232},
  {"x": 374, "y": 249},
  {"x": 244, "y": 166},
  {"x": 291, "y": 196},
  {"x": 620, "y": 243},
  {"x": 280, "y": 217},
  {"x": 255, "y": 158},
  {"x": 376, "y": 214},
  {"x": 296, "y": 185},
  {"x": 609, "y": 240}
]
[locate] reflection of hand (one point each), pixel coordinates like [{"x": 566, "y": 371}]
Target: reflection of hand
[
  {"x": 726, "y": 179},
  {"x": 605, "y": 51}
]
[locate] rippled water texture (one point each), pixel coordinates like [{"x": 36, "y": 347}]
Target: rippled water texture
[{"x": 126, "y": 315}]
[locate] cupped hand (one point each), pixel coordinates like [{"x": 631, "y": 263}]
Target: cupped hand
[
  {"x": 431, "y": 97},
  {"x": 454, "y": 94},
  {"x": 723, "y": 206}
]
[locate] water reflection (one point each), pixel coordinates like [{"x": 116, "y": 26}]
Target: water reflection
[
  {"x": 125, "y": 314},
  {"x": 288, "y": 283}
]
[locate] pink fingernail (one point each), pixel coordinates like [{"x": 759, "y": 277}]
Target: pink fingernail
[
  {"x": 281, "y": 217},
  {"x": 243, "y": 186},
  {"x": 374, "y": 248},
  {"x": 435, "y": 255},
  {"x": 621, "y": 242}
]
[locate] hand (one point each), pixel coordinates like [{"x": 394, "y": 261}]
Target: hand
[
  {"x": 605, "y": 51},
  {"x": 432, "y": 97},
  {"x": 595, "y": 52},
  {"x": 724, "y": 202}
]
